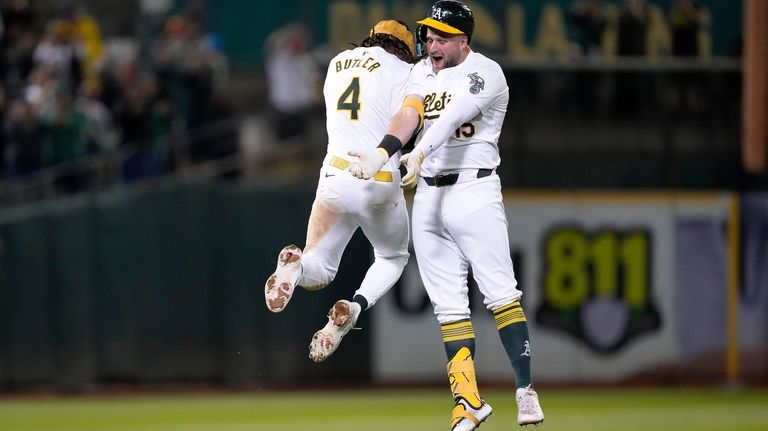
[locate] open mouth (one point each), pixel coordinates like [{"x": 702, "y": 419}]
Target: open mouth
[{"x": 437, "y": 60}]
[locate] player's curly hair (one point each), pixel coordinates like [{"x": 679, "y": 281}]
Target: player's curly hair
[{"x": 391, "y": 44}]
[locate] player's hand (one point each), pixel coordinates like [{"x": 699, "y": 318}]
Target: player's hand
[
  {"x": 367, "y": 162},
  {"x": 412, "y": 162}
]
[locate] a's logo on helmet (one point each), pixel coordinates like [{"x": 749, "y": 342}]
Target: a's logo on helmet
[
  {"x": 438, "y": 13},
  {"x": 476, "y": 83}
]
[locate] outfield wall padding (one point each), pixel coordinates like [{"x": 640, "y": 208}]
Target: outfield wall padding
[{"x": 164, "y": 285}]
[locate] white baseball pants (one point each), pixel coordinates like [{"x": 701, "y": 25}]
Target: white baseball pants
[
  {"x": 457, "y": 226},
  {"x": 342, "y": 204}
]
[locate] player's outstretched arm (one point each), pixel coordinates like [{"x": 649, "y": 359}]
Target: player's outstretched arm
[
  {"x": 454, "y": 115},
  {"x": 402, "y": 127},
  {"x": 438, "y": 133}
]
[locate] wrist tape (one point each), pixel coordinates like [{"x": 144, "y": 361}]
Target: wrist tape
[{"x": 391, "y": 144}]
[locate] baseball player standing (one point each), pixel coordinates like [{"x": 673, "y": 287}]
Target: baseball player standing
[
  {"x": 364, "y": 91},
  {"x": 458, "y": 213}
]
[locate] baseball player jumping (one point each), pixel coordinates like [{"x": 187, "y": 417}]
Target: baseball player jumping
[
  {"x": 458, "y": 213},
  {"x": 364, "y": 91}
]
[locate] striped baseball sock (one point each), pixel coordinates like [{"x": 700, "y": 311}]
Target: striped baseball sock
[
  {"x": 459, "y": 341},
  {"x": 513, "y": 330},
  {"x": 456, "y": 335}
]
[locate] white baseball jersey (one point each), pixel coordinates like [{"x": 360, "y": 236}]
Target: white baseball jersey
[
  {"x": 462, "y": 224},
  {"x": 478, "y": 81},
  {"x": 363, "y": 89}
]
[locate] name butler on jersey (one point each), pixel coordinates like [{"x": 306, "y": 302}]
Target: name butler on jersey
[{"x": 369, "y": 63}]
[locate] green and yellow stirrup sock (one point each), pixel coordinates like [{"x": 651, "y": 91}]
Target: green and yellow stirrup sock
[
  {"x": 459, "y": 341},
  {"x": 456, "y": 335},
  {"x": 513, "y": 330}
]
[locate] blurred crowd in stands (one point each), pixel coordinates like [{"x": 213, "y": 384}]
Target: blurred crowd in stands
[
  {"x": 294, "y": 73},
  {"x": 631, "y": 90},
  {"x": 62, "y": 97},
  {"x": 684, "y": 17}
]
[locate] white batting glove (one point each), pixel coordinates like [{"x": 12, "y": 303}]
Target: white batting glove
[
  {"x": 412, "y": 162},
  {"x": 368, "y": 162}
]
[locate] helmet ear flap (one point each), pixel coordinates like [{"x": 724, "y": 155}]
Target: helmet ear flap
[
  {"x": 421, "y": 33},
  {"x": 421, "y": 39}
]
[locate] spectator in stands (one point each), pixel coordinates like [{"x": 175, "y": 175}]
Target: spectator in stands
[
  {"x": 190, "y": 67},
  {"x": 686, "y": 89},
  {"x": 196, "y": 68},
  {"x": 144, "y": 119},
  {"x": 169, "y": 54},
  {"x": 23, "y": 136},
  {"x": 633, "y": 23},
  {"x": 151, "y": 22},
  {"x": 685, "y": 21},
  {"x": 65, "y": 126},
  {"x": 58, "y": 51},
  {"x": 100, "y": 128},
  {"x": 589, "y": 19},
  {"x": 293, "y": 80},
  {"x": 631, "y": 86},
  {"x": 18, "y": 16},
  {"x": 72, "y": 103},
  {"x": 40, "y": 88},
  {"x": 17, "y": 43},
  {"x": 86, "y": 37}
]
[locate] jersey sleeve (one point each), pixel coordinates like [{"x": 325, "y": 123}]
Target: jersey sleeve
[{"x": 481, "y": 86}]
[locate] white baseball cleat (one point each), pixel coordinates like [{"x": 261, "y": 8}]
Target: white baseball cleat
[
  {"x": 466, "y": 418},
  {"x": 341, "y": 318},
  {"x": 528, "y": 408},
  {"x": 279, "y": 287}
]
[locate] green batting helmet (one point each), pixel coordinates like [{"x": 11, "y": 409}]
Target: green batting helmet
[{"x": 448, "y": 16}]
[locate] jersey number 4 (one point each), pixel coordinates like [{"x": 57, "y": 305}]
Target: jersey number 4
[{"x": 350, "y": 99}]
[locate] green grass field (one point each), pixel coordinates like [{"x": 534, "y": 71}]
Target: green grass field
[{"x": 371, "y": 410}]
